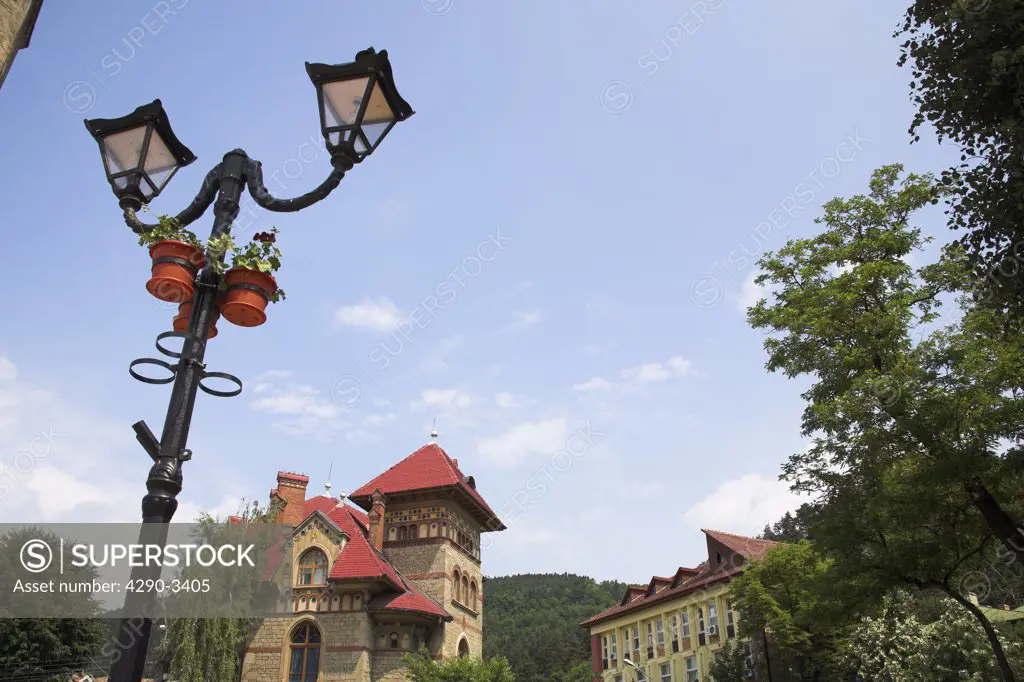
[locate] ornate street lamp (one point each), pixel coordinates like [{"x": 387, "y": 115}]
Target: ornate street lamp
[
  {"x": 359, "y": 105},
  {"x": 140, "y": 153}
]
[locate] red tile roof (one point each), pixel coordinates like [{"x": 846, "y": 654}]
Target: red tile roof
[
  {"x": 360, "y": 561},
  {"x": 692, "y": 579},
  {"x": 428, "y": 468},
  {"x": 752, "y": 548}
]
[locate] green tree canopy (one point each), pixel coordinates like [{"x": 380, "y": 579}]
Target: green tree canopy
[{"x": 422, "y": 668}]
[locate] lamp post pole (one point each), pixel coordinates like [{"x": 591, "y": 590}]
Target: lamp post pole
[{"x": 359, "y": 105}]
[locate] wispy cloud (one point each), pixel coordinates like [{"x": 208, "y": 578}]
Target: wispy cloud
[
  {"x": 632, "y": 377},
  {"x": 743, "y": 505},
  {"x": 595, "y": 384},
  {"x": 443, "y": 399},
  {"x": 374, "y": 314},
  {"x": 523, "y": 440}
]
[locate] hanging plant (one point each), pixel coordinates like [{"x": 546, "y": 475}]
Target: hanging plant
[
  {"x": 250, "y": 284},
  {"x": 177, "y": 255}
]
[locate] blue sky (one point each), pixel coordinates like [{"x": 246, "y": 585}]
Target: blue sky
[{"x": 585, "y": 192}]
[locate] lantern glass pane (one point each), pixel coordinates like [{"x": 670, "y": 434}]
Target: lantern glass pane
[
  {"x": 378, "y": 110},
  {"x": 343, "y": 100},
  {"x": 121, "y": 150},
  {"x": 159, "y": 158},
  {"x": 375, "y": 131}
]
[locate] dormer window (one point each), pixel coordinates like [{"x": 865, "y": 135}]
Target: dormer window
[
  {"x": 313, "y": 568},
  {"x": 718, "y": 555}
]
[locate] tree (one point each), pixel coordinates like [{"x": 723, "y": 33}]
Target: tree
[
  {"x": 790, "y": 528},
  {"x": 792, "y": 593},
  {"x": 897, "y": 645},
  {"x": 889, "y": 647},
  {"x": 422, "y": 668},
  {"x": 909, "y": 422},
  {"x": 197, "y": 649},
  {"x": 732, "y": 664},
  {"x": 44, "y": 647},
  {"x": 534, "y": 621},
  {"x": 967, "y": 60}
]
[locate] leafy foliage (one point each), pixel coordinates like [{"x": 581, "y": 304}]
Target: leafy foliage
[
  {"x": 261, "y": 255},
  {"x": 790, "y": 528},
  {"x": 422, "y": 668},
  {"x": 204, "y": 649},
  {"x": 915, "y": 418},
  {"x": 44, "y": 648},
  {"x": 731, "y": 664},
  {"x": 897, "y": 645},
  {"x": 967, "y": 60},
  {"x": 533, "y": 621},
  {"x": 168, "y": 228}
]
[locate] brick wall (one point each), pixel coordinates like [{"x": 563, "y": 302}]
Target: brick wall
[{"x": 345, "y": 648}]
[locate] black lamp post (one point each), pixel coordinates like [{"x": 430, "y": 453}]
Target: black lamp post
[{"x": 359, "y": 105}]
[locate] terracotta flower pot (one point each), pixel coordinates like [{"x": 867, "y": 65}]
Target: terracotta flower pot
[
  {"x": 175, "y": 265},
  {"x": 247, "y": 297},
  {"x": 185, "y": 312}
]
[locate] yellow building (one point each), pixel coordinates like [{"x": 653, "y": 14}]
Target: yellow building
[{"x": 671, "y": 629}]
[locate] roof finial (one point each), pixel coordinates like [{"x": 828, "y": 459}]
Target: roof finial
[
  {"x": 327, "y": 485},
  {"x": 433, "y": 432}
]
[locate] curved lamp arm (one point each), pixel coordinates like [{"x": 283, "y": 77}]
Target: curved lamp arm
[
  {"x": 207, "y": 193},
  {"x": 266, "y": 200}
]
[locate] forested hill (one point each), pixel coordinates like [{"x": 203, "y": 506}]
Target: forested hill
[{"x": 533, "y": 620}]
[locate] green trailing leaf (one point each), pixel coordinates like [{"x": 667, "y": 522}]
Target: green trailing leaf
[
  {"x": 168, "y": 228},
  {"x": 261, "y": 255}
]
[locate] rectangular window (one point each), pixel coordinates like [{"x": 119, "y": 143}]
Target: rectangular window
[
  {"x": 666, "y": 672},
  {"x": 650, "y": 636},
  {"x": 641, "y": 676},
  {"x": 615, "y": 646},
  {"x": 701, "y": 633},
  {"x": 712, "y": 615},
  {"x": 618, "y": 678},
  {"x": 685, "y": 617},
  {"x": 636, "y": 638},
  {"x": 661, "y": 632},
  {"x": 691, "y": 669},
  {"x": 604, "y": 648},
  {"x": 728, "y": 612},
  {"x": 675, "y": 628}
]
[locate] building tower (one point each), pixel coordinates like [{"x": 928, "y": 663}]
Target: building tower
[{"x": 429, "y": 518}]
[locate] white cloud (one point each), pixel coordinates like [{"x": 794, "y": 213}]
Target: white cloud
[
  {"x": 743, "y": 505},
  {"x": 506, "y": 401},
  {"x": 442, "y": 398},
  {"x": 547, "y": 436},
  {"x": 656, "y": 372},
  {"x": 380, "y": 419},
  {"x": 528, "y": 319},
  {"x": 8, "y": 372},
  {"x": 595, "y": 384},
  {"x": 377, "y": 315},
  {"x": 300, "y": 410}
]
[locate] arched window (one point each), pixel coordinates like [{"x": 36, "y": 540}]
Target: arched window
[
  {"x": 394, "y": 640},
  {"x": 313, "y": 568},
  {"x": 465, "y": 589},
  {"x": 472, "y": 595},
  {"x": 382, "y": 641},
  {"x": 463, "y": 648},
  {"x": 392, "y": 534},
  {"x": 304, "y": 663},
  {"x": 357, "y": 602},
  {"x": 456, "y": 585},
  {"x": 412, "y": 531},
  {"x": 444, "y": 529},
  {"x": 401, "y": 532},
  {"x": 405, "y": 640}
]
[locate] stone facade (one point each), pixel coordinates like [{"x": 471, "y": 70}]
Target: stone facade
[
  {"x": 17, "y": 19},
  {"x": 426, "y": 543}
]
